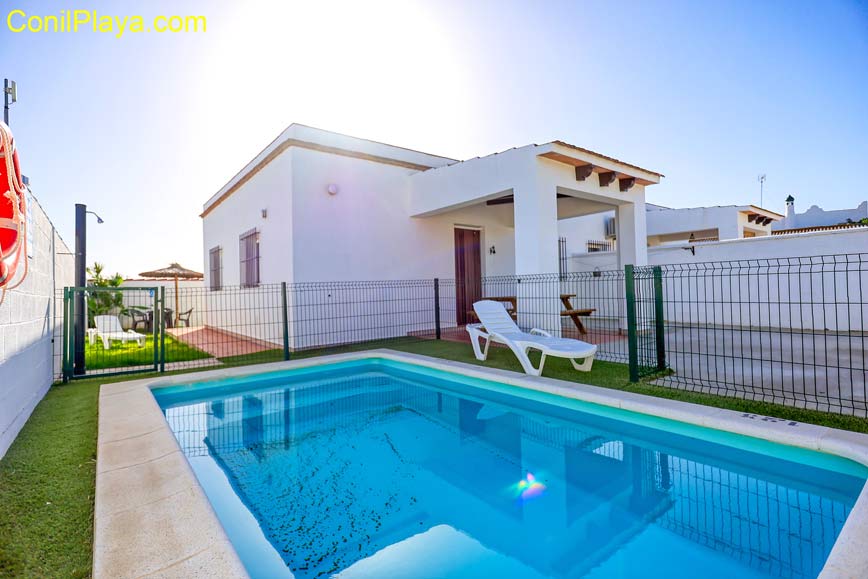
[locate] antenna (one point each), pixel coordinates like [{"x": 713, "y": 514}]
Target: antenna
[{"x": 762, "y": 180}]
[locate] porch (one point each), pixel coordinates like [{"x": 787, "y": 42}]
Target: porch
[{"x": 525, "y": 192}]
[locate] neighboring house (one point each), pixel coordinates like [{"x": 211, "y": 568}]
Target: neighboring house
[
  {"x": 321, "y": 206},
  {"x": 816, "y": 217},
  {"x": 665, "y": 225}
]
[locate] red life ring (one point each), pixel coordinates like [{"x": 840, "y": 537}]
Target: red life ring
[{"x": 13, "y": 214}]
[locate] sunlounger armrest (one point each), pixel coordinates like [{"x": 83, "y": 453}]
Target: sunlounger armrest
[{"x": 538, "y": 332}]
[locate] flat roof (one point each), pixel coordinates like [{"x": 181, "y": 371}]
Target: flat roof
[
  {"x": 613, "y": 159},
  {"x": 307, "y": 137}
]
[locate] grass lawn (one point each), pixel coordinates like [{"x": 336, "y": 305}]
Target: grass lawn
[
  {"x": 47, "y": 476},
  {"x": 130, "y": 354}
]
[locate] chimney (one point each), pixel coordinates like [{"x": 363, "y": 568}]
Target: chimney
[{"x": 791, "y": 209}]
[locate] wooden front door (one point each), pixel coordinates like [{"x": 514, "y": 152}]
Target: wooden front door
[{"x": 468, "y": 272}]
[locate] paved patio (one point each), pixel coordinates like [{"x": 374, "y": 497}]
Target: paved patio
[
  {"x": 220, "y": 343},
  {"x": 819, "y": 370}
]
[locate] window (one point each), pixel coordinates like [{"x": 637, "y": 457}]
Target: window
[
  {"x": 249, "y": 255},
  {"x": 215, "y": 267},
  {"x": 595, "y": 246},
  {"x": 611, "y": 228}
]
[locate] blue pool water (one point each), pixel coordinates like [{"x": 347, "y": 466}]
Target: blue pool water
[{"x": 375, "y": 468}]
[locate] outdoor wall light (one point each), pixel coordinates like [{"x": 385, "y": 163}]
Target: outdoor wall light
[
  {"x": 264, "y": 213},
  {"x": 492, "y": 250},
  {"x": 332, "y": 189}
]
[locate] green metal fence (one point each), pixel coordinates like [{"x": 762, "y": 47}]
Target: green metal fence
[
  {"x": 92, "y": 330},
  {"x": 235, "y": 325},
  {"x": 787, "y": 330}
]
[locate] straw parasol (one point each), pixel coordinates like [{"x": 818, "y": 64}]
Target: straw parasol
[{"x": 173, "y": 271}]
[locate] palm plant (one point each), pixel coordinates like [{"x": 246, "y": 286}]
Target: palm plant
[{"x": 101, "y": 302}]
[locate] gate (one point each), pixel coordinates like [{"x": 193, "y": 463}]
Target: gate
[{"x": 112, "y": 330}]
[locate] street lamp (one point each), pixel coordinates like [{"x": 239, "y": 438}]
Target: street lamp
[{"x": 80, "y": 282}]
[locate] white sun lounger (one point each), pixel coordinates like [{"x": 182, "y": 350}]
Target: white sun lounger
[
  {"x": 109, "y": 328},
  {"x": 498, "y": 326}
]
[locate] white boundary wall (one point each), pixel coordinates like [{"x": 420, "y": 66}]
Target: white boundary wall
[
  {"x": 811, "y": 294},
  {"x": 28, "y": 326}
]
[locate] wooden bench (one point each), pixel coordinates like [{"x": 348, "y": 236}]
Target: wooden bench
[
  {"x": 568, "y": 311},
  {"x": 573, "y": 313}
]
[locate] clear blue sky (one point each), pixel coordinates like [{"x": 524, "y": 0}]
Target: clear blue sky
[{"x": 147, "y": 127}]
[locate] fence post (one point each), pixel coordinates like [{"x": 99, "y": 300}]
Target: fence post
[
  {"x": 65, "y": 344},
  {"x": 437, "y": 307},
  {"x": 632, "y": 334},
  {"x": 162, "y": 329},
  {"x": 285, "y": 320},
  {"x": 155, "y": 325},
  {"x": 658, "y": 318}
]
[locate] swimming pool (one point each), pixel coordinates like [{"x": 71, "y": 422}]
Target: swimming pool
[{"x": 379, "y": 468}]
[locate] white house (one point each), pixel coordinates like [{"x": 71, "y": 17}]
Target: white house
[
  {"x": 665, "y": 225},
  {"x": 817, "y": 217},
  {"x": 320, "y": 206}
]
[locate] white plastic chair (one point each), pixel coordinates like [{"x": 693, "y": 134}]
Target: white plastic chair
[
  {"x": 498, "y": 326},
  {"x": 109, "y": 328}
]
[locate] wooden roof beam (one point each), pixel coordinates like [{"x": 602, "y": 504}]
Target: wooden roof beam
[
  {"x": 607, "y": 178},
  {"x": 583, "y": 172},
  {"x": 626, "y": 184}
]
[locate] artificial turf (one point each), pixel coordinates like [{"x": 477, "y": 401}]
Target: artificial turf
[
  {"x": 125, "y": 355},
  {"x": 47, "y": 477}
]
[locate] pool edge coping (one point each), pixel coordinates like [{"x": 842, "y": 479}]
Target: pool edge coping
[{"x": 197, "y": 545}]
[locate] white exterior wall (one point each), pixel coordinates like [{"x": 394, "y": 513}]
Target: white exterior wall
[
  {"x": 366, "y": 231},
  {"x": 580, "y": 230},
  {"x": 810, "y": 288},
  {"x": 28, "y": 326},
  {"x": 252, "y": 311},
  {"x": 270, "y": 189}
]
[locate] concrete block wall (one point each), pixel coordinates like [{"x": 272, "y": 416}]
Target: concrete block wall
[{"x": 28, "y": 326}]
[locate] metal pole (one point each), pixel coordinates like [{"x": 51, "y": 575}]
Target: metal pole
[
  {"x": 65, "y": 345},
  {"x": 632, "y": 333},
  {"x": 437, "y": 307},
  {"x": 80, "y": 282},
  {"x": 6, "y": 101},
  {"x": 285, "y": 320},
  {"x": 155, "y": 318},
  {"x": 162, "y": 328},
  {"x": 659, "y": 326}
]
